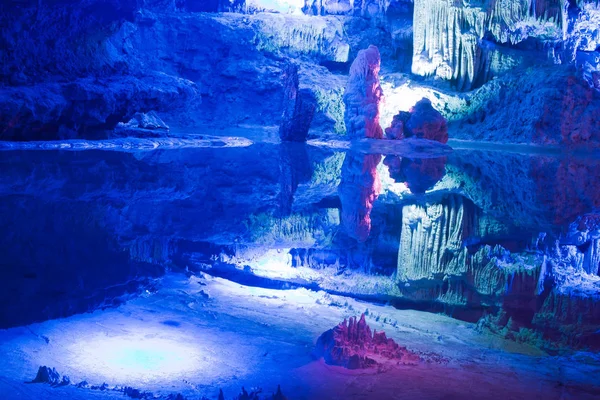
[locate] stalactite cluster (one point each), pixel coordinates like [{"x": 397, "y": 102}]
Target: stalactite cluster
[{"x": 448, "y": 35}]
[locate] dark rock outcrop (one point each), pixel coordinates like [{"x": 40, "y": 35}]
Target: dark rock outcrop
[
  {"x": 47, "y": 375},
  {"x": 363, "y": 96},
  {"x": 51, "y": 376},
  {"x": 279, "y": 394},
  {"x": 298, "y": 108},
  {"x": 87, "y": 107},
  {"x": 352, "y": 345}
]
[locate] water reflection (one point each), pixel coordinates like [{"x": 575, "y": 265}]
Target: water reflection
[
  {"x": 419, "y": 174},
  {"x": 473, "y": 230},
  {"x": 358, "y": 190},
  {"x": 295, "y": 168}
]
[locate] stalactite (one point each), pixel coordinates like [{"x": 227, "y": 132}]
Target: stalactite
[{"x": 447, "y": 35}]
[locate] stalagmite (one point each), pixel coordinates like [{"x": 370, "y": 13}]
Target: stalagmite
[
  {"x": 363, "y": 96},
  {"x": 352, "y": 345}
]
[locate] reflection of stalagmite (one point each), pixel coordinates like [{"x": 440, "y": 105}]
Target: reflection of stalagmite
[
  {"x": 363, "y": 95},
  {"x": 358, "y": 191}
]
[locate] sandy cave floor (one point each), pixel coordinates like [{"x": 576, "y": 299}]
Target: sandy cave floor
[{"x": 196, "y": 335}]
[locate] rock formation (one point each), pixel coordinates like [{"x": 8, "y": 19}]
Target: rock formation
[
  {"x": 584, "y": 233},
  {"x": 422, "y": 122},
  {"x": 366, "y": 8},
  {"x": 352, "y": 345},
  {"x": 298, "y": 108},
  {"x": 576, "y": 114},
  {"x": 87, "y": 106},
  {"x": 426, "y": 122},
  {"x": 144, "y": 124},
  {"x": 50, "y": 376},
  {"x": 363, "y": 96},
  {"x": 396, "y": 130},
  {"x": 548, "y": 105}
]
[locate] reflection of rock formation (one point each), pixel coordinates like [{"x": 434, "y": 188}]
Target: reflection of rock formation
[
  {"x": 298, "y": 108},
  {"x": 535, "y": 192},
  {"x": 358, "y": 190},
  {"x": 449, "y": 253},
  {"x": 352, "y": 345},
  {"x": 60, "y": 258},
  {"x": 566, "y": 187},
  {"x": 295, "y": 168},
  {"x": 453, "y": 254},
  {"x": 431, "y": 241},
  {"x": 419, "y": 174},
  {"x": 363, "y": 95}
]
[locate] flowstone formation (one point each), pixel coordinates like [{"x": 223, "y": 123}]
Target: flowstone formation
[
  {"x": 422, "y": 122},
  {"x": 363, "y": 96},
  {"x": 352, "y": 345}
]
